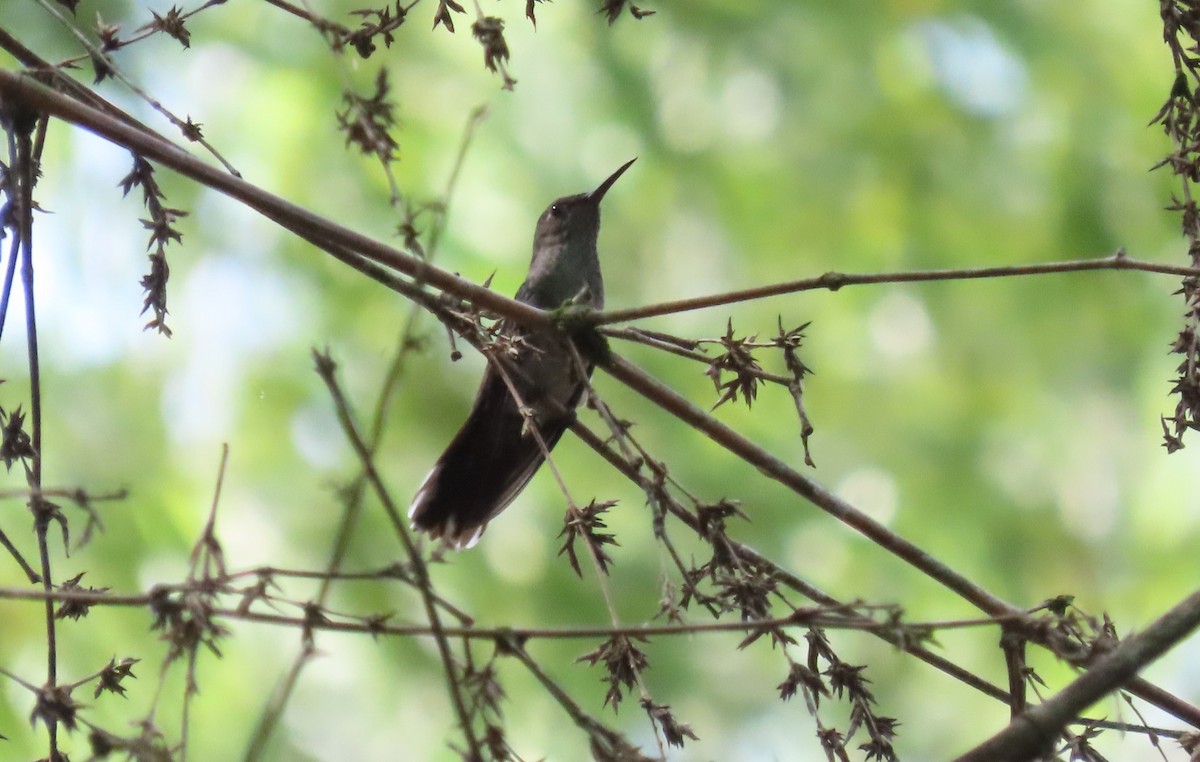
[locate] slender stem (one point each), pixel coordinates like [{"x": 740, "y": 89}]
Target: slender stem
[
  {"x": 317, "y": 21},
  {"x": 279, "y": 698},
  {"x": 326, "y": 369},
  {"x": 30, "y": 572},
  {"x": 14, "y": 191},
  {"x": 10, "y": 267},
  {"x": 439, "y": 223},
  {"x": 834, "y": 619},
  {"x": 23, "y": 204},
  {"x": 637, "y": 336}
]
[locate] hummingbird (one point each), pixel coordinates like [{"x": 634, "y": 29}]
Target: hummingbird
[{"x": 495, "y": 453}]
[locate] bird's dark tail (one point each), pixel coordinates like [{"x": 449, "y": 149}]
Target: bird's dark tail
[{"x": 490, "y": 460}]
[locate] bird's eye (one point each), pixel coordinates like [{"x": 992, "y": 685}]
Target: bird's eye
[{"x": 556, "y": 210}]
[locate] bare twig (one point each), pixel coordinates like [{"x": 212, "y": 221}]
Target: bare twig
[{"x": 186, "y": 127}]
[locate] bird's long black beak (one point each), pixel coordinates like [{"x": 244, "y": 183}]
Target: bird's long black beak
[{"x": 598, "y": 194}]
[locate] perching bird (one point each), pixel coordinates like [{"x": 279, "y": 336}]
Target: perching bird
[{"x": 494, "y": 455}]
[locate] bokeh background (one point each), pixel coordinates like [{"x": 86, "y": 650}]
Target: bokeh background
[{"x": 1009, "y": 427}]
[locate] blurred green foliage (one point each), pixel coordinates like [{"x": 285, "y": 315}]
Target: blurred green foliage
[{"x": 1009, "y": 427}]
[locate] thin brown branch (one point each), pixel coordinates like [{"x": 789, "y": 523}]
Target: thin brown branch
[
  {"x": 838, "y": 616},
  {"x": 317, "y": 21},
  {"x": 77, "y": 596},
  {"x": 641, "y": 337},
  {"x": 76, "y": 494},
  {"x": 834, "y": 281}
]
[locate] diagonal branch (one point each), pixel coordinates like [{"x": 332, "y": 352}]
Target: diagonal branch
[
  {"x": 776, "y": 469},
  {"x": 326, "y": 370},
  {"x": 1034, "y": 732},
  {"x": 809, "y": 591},
  {"x": 23, "y": 88}
]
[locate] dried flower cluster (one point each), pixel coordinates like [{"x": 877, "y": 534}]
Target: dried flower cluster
[
  {"x": 1180, "y": 119},
  {"x": 367, "y": 121},
  {"x": 161, "y": 225}
]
